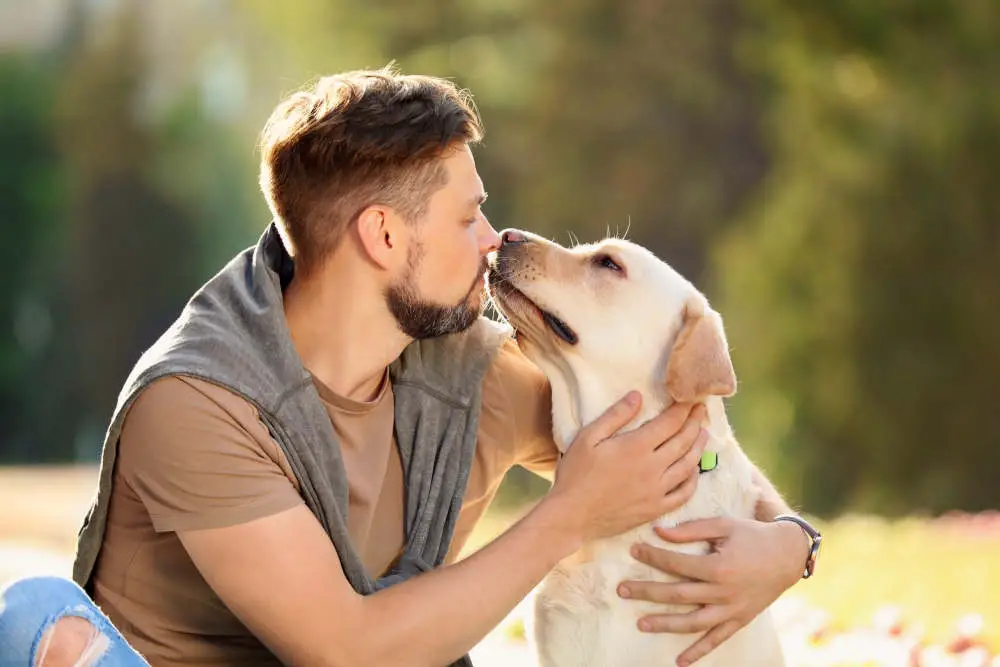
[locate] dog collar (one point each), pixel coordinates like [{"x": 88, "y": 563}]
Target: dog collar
[{"x": 709, "y": 461}]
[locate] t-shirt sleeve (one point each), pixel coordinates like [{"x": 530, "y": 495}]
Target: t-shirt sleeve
[
  {"x": 198, "y": 457},
  {"x": 529, "y": 402}
]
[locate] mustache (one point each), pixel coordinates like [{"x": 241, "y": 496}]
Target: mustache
[{"x": 484, "y": 267}]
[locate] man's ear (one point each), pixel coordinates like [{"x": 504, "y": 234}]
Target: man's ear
[
  {"x": 699, "y": 364},
  {"x": 377, "y": 233}
]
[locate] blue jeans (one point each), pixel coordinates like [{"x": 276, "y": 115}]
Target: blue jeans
[{"x": 29, "y": 607}]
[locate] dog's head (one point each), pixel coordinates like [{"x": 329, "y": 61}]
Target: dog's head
[{"x": 610, "y": 315}]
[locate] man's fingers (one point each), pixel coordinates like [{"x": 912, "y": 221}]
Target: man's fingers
[
  {"x": 668, "y": 423},
  {"x": 679, "y": 495},
  {"x": 699, "y": 568},
  {"x": 683, "y": 441},
  {"x": 697, "y": 531},
  {"x": 680, "y": 462},
  {"x": 699, "y": 620},
  {"x": 613, "y": 419},
  {"x": 686, "y": 592},
  {"x": 710, "y": 641}
]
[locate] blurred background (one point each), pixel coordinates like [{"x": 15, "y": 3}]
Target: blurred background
[{"x": 827, "y": 172}]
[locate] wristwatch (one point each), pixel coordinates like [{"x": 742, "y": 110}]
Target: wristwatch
[{"x": 814, "y": 541}]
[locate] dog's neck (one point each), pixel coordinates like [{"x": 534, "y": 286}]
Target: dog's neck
[{"x": 573, "y": 408}]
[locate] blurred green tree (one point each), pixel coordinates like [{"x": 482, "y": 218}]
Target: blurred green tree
[
  {"x": 155, "y": 198},
  {"x": 862, "y": 293},
  {"x": 642, "y": 119},
  {"x": 30, "y": 222}
]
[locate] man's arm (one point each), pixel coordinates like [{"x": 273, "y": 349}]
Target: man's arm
[
  {"x": 297, "y": 600},
  {"x": 770, "y": 504},
  {"x": 281, "y": 576}
]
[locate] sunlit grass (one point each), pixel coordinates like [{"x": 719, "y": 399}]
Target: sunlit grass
[
  {"x": 935, "y": 572},
  {"x": 928, "y": 576}
]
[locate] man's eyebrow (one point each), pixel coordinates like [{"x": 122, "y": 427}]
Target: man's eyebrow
[{"x": 479, "y": 200}]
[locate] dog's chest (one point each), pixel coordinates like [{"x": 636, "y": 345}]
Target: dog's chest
[{"x": 589, "y": 578}]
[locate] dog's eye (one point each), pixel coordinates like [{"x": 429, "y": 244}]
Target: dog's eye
[{"x": 606, "y": 262}]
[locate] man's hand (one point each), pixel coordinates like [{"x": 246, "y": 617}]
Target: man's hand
[
  {"x": 750, "y": 564},
  {"x": 608, "y": 484}
]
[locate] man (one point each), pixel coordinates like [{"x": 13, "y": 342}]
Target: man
[{"x": 331, "y": 415}]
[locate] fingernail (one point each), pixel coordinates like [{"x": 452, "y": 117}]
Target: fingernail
[
  {"x": 644, "y": 625},
  {"x": 635, "y": 551},
  {"x": 704, "y": 438},
  {"x": 624, "y": 592},
  {"x": 632, "y": 398}
]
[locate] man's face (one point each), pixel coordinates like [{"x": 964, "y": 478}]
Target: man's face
[{"x": 443, "y": 290}]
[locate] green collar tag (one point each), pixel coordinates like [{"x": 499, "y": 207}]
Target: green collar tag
[{"x": 709, "y": 461}]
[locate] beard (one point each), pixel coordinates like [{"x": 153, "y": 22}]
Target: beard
[{"x": 420, "y": 318}]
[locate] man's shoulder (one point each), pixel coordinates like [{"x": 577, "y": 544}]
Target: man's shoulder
[
  {"x": 182, "y": 405},
  {"x": 197, "y": 456},
  {"x": 511, "y": 370},
  {"x": 517, "y": 410},
  {"x": 180, "y": 391}
]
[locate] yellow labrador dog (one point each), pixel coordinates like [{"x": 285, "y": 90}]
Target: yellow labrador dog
[{"x": 600, "y": 320}]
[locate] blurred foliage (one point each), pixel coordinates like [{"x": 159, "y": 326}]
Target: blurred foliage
[
  {"x": 861, "y": 289},
  {"x": 824, "y": 171},
  {"x": 29, "y": 224}
]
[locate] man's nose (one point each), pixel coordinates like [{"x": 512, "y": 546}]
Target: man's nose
[
  {"x": 491, "y": 241},
  {"x": 512, "y": 237}
]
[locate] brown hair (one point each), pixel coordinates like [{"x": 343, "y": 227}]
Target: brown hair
[{"x": 353, "y": 140}]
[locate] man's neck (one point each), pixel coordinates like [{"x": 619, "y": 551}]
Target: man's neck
[{"x": 342, "y": 330}]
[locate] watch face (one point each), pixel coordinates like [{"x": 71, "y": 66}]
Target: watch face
[{"x": 814, "y": 553}]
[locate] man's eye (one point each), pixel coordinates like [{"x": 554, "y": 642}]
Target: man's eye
[{"x": 606, "y": 262}]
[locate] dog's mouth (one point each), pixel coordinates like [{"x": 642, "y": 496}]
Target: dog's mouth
[
  {"x": 505, "y": 292},
  {"x": 559, "y": 328}
]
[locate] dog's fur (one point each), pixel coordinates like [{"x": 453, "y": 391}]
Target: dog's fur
[{"x": 647, "y": 328}]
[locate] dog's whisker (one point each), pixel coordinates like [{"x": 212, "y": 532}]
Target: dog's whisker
[
  {"x": 491, "y": 304},
  {"x": 504, "y": 267},
  {"x": 512, "y": 267},
  {"x": 508, "y": 266}
]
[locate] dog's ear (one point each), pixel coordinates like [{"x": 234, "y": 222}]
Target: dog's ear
[{"x": 699, "y": 364}]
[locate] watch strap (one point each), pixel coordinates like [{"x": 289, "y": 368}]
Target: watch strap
[{"x": 815, "y": 538}]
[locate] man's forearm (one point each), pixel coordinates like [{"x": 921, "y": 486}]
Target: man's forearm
[
  {"x": 770, "y": 503},
  {"x": 437, "y": 617}
]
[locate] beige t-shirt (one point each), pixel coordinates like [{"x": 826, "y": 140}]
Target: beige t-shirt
[{"x": 194, "y": 455}]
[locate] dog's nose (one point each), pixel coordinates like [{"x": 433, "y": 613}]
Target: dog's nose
[{"x": 511, "y": 237}]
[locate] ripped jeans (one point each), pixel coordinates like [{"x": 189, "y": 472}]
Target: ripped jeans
[{"x": 30, "y": 608}]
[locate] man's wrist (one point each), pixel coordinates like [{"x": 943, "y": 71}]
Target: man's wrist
[
  {"x": 769, "y": 509},
  {"x": 808, "y": 538},
  {"x": 560, "y": 523}
]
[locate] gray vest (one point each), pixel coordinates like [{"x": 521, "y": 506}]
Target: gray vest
[{"x": 233, "y": 333}]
